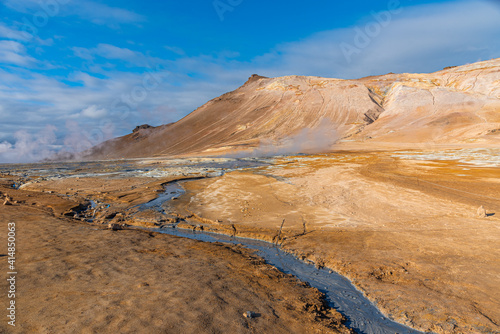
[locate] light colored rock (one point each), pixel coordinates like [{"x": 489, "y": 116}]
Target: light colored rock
[{"x": 481, "y": 212}]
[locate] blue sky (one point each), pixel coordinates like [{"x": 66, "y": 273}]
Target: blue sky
[{"x": 75, "y": 73}]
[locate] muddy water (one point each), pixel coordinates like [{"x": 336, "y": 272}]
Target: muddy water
[
  {"x": 362, "y": 315},
  {"x": 172, "y": 190}
]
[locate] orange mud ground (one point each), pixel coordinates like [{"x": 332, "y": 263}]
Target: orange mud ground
[
  {"x": 75, "y": 277},
  {"x": 406, "y": 232}
]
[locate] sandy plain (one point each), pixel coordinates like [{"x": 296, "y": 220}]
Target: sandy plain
[{"x": 403, "y": 226}]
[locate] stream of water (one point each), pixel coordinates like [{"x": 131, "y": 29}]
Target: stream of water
[{"x": 363, "y": 316}]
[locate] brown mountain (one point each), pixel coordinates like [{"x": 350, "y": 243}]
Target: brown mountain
[{"x": 455, "y": 106}]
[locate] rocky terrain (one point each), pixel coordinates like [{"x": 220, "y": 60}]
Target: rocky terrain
[{"x": 294, "y": 114}]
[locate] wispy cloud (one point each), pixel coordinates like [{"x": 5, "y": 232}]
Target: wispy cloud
[
  {"x": 112, "y": 52},
  {"x": 12, "y": 33},
  {"x": 175, "y": 50},
  {"x": 14, "y": 53},
  {"x": 416, "y": 39},
  {"x": 92, "y": 11},
  {"x": 102, "y": 14}
]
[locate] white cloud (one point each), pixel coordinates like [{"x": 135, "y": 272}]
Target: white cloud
[
  {"x": 24, "y": 36},
  {"x": 114, "y": 52},
  {"x": 12, "y": 52},
  {"x": 109, "y": 51},
  {"x": 94, "y": 112},
  {"x": 12, "y": 46},
  {"x": 83, "y": 53}
]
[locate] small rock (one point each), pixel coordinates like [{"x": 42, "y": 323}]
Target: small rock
[
  {"x": 109, "y": 215},
  {"x": 115, "y": 227},
  {"x": 119, "y": 217},
  {"x": 7, "y": 202},
  {"x": 481, "y": 212},
  {"x": 249, "y": 314}
]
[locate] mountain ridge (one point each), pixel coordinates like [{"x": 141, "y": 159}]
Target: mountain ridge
[{"x": 455, "y": 106}]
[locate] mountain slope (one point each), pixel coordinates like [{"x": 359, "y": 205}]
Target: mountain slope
[{"x": 457, "y": 105}]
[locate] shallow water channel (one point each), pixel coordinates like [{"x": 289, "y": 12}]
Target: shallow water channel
[{"x": 363, "y": 316}]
